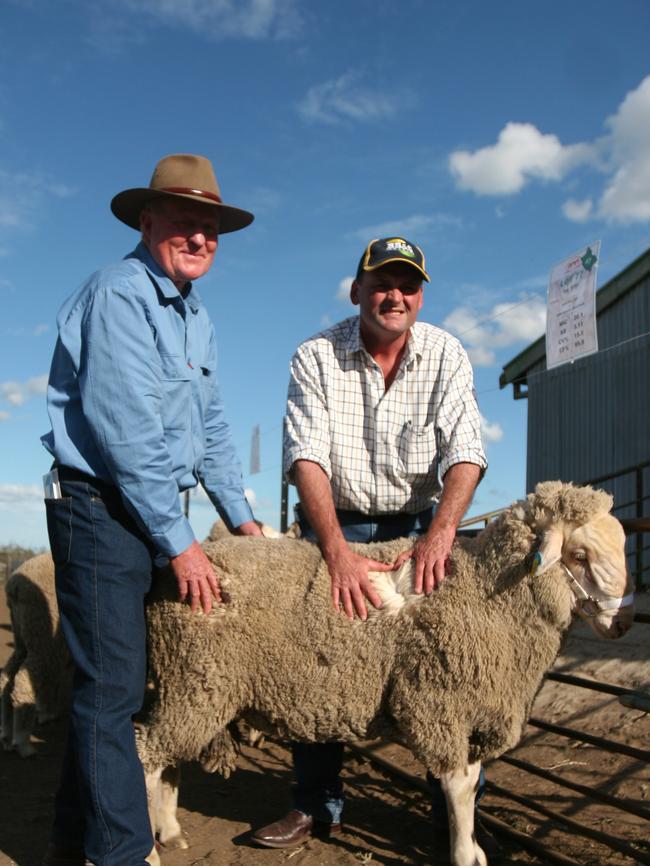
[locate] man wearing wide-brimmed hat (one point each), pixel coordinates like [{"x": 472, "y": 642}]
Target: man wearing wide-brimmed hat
[{"x": 136, "y": 417}]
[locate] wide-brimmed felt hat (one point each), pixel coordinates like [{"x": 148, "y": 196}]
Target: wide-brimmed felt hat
[
  {"x": 185, "y": 176},
  {"x": 381, "y": 251}
]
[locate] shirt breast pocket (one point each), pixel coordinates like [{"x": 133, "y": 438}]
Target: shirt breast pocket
[
  {"x": 177, "y": 393},
  {"x": 417, "y": 449},
  {"x": 208, "y": 382}
]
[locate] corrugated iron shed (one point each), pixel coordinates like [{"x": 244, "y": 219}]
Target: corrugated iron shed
[{"x": 591, "y": 418}]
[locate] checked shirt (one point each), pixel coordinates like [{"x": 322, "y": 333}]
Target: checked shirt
[{"x": 384, "y": 451}]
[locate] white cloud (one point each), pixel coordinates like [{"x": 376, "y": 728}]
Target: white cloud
[
  {"x": 23, "y": 196},
  {"x": 35, "y": 331},
  {"x": 347, "y": 99},
  {"x": 503, "y": 326},
  {"x": 343, "y": 291},
  {"x": 479, "y": 356},
  {"x": 5, "y": 416},
  {"x": 409, "y": 227},
  {"x": 22, "y": 495},
  {"x": 222, "y": 19},
  {"x": 627, "y": 195},
  {"x": 261, "y": 200},
  {"x": 111, "y": 35},
  {"x": 16, "y": 393},
  {"x": 578, "y": 211},
  {"x": 521, "y": 153},
  {"x": 491, "y": 432}
]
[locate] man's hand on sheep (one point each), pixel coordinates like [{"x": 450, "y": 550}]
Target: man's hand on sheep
[
  {"x": 251, "y": 527},
  {"x": 431, "y": 553},
  {"x": 197, "y": 581},
  {"x": 350, "y": 582}
]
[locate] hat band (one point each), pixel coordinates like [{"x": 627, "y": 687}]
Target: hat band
[{"x": 186, "y": 190}]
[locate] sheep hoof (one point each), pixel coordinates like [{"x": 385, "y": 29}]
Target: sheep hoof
[
  {"x": 25, "y": 750},
  {"x": 174, "y": 843}
]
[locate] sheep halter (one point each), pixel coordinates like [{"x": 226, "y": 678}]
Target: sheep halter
[{"x": 583, "y": 598}]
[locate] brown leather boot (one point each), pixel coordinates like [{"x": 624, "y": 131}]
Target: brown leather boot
[{"x": 294, "y": 828}]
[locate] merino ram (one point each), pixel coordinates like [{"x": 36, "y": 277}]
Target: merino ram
[{"x": 453, "y": 674}]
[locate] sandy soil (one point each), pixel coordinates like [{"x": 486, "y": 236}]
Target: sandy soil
[{"x": 386, "y": 823}]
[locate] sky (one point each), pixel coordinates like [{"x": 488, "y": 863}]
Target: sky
[{"x": 500, "y": 137}]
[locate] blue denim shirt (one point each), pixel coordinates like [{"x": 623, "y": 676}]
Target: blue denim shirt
[{"x": 133, "y": 398}]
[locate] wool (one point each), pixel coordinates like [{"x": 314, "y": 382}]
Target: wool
[{"x": 453, "y": 675}]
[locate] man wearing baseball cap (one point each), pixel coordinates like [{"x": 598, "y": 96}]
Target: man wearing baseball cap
[
  {"x": 136, "y": 418},
  {"x": 382, "y": 439}
]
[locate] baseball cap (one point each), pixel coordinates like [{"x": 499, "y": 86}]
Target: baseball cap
[{"x": 381, "y": 251}]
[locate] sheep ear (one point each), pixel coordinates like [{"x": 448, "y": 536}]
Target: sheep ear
[{"x": 550, "y": 550}]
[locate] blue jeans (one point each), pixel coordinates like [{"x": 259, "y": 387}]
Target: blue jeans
[
  {"x": 103, "y": 570},
  {"x": 317, "y": 766}
]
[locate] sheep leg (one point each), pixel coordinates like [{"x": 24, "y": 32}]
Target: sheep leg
[
  {"x": 459, "y": 787},
  {"x": 6, "y": 711},
  {"x": 162, "y": 799},
  {"x": 7, "y": 685},
  {"x": 153, "y": 858},
  {"x": 22, "y": 713}
]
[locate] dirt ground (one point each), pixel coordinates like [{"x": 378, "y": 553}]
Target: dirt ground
[{"x": 386, "y": 822}]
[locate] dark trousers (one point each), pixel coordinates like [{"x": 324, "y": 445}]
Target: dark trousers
[
  {"x": 317, "y": 766},
  {"x": 103, "y": 571}
]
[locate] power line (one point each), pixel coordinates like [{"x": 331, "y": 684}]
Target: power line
[{"x": 497, "y": 315}]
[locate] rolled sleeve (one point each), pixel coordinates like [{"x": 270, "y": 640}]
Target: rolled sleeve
[
  {"x": 120, "y": 387},
  {"x": 306, "y": 424},
  {"x": 459, "y": 421}
]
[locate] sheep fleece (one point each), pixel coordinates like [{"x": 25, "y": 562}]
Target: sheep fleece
[{"x": 454, "y": 674}]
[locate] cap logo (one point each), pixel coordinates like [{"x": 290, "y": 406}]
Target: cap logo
[{"x": 401, "y": 246}]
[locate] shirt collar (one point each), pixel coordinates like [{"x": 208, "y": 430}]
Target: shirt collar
[
  {"x": 165, "y": 286},
  {"x": 414, "y": 345},
  {"x": 353, "y": 342}
]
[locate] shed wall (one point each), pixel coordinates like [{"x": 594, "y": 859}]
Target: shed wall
[{"x": 592, "y": 418}]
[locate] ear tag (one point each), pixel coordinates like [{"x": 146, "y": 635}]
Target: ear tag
[{"x": 535, "y": 564}]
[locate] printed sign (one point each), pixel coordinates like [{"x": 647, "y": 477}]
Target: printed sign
[{"x": 571, "y": 308}]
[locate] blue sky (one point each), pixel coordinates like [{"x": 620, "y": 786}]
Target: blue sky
[{"x": 500, "y": 137}]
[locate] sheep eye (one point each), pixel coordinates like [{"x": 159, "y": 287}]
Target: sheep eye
[{"x": 580, "y": 555}]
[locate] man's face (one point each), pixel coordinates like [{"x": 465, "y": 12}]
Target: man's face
[
  {"x": 389, "y": 301},
  {"x": 182, "y": 237}
]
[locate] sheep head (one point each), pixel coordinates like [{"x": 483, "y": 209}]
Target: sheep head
[{"x": 578, "y": 531}]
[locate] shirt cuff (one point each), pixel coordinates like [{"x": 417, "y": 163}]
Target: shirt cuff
[
  {"x": 236, "y": 513},
  {"x": 298, "y": 453},
  {"x": 175, "y": 540},
  {"x": 467, "y": 455}
]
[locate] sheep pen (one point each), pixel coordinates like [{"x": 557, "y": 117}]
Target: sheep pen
[{"x": 278, "y": 656}]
